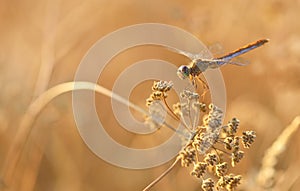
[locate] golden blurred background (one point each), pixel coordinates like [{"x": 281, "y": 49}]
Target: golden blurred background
[{"x": 43, "y": 42}]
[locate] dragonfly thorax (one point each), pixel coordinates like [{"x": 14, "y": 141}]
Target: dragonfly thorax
[{"x": 201, "y": 64}]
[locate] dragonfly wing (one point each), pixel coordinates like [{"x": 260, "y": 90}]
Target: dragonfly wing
[
  {"x": 216, "y": 49},
  {"x": 239, "y": 61},
  {"x": 235, "y": 61},
  {"x": 189, "y": 55}
]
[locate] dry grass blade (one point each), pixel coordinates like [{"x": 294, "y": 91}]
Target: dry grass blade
[
  {"x": 267, "y": 172},
  {"x": 31, "y": 114}
]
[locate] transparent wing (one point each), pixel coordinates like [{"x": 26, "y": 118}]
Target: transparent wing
[
  {"x": 239, "y": 61},
  {"x": 189, "y": 55},
  {"x": 215, "y": 63},
  {"x": 192, "y": 56},
  {"x": 216, "y": 48},
  {"x": 236, "y": 61}
]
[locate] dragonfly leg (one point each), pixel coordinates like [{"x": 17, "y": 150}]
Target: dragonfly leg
[{"x": 204, "y": 86}]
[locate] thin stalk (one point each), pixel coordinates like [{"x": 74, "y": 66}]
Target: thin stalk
[
  {"x": 176, "y": 117},
  {"x": 221, "y": 150},
  {"x": 195, "y": 122},
  {"x": 217, "y": 154},
  {"x": 190, "y": 117},
  {"x": 170, "y": 168},
  {"x": 171, "y": 111},
  {"x": 162, "y": 175}
]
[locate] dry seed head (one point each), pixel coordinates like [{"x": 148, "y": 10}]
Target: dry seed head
[
  {"x": 204, "y": 141},
  {"x": 233, "y": 126},
  {"x": 189, "y": 95},
  {"x": 221, "y": 169},
  {"x": 236, "y": 157},
  {"x": 149, "y": 101},
  {"x": 230, "y": 182},
  {"x": 221, "y": 183},
  {"x": 212, "y": 125},
  {"x": 159, "y": 91},
  {"x": 234, "y": 181},
  {"x": 188, "y": 156},
  {"x": 157, "y": 95},
  {"x": 199, "y": 169},
  {"x": 248, "y": 138},
  {"x": 228, "y": 143},
  {"x": 206, "y": 136},
  {"x": 208, "y": 185},
  {"x": 214, "y": 118},
  {"x": 162, "y": 86},
  {"x": 211, "y": 159},
  {"x": 236, "y": 143}
]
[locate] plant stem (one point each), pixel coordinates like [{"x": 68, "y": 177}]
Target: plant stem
[
  {"x": 162, "y": 175},
  {"x": 15, "y": 151},
  {"x": 171, "y": 111},
  {"x": 174, "y": 115}
]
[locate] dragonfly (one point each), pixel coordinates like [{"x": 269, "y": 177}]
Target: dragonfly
[{"x": 199, "y": 65}]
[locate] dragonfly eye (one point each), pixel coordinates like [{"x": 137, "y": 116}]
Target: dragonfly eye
[{"x": 183, "y": 72}]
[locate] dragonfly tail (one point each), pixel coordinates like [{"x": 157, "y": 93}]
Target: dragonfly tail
[{"x": 243, "y": 50}]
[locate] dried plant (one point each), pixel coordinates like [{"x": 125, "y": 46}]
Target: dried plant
[
  {"x": 15, "y": 151},
  {"x": 210, "y": 146},
  {"x": 266, "y": 176}
]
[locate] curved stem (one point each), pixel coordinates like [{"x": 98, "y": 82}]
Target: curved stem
[
  {"x": 32, "y": 112},
  {"x": 162, "y": 175},
  {"x": 170, "y": 168},
  {"x": 171, "y": 111},
  {"x": 174, "y": 116}
]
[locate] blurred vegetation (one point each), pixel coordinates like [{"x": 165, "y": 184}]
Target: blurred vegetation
[{"x": 42, "y": 43}]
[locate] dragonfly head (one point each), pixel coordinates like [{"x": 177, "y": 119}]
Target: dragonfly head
[{"x": 183, "y": 72}]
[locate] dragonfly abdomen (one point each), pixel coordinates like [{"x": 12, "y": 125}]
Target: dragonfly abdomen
[{"x": 243, "y": 50}]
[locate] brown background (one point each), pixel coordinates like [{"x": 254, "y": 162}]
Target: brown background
[{"x": 56, "y": 34}]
